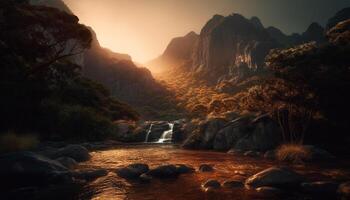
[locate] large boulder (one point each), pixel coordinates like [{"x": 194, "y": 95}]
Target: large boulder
[
  {"x": 77, "y": 152},
  {"x": 264, "y": 135},
  {"x": 231, "y": 133},
  {"x": 275, "y": 177},
  {"x": 208, "y": 131},
  {"x": 248, "y": 133},
  {"x": 29, "y": 169}
]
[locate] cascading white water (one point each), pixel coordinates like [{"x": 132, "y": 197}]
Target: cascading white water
[
  {"x": 148, "y": 132},
  {"x": 167, "y": 136}
]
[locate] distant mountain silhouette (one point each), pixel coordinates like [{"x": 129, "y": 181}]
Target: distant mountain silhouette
[{"x": 230, "y": 47}]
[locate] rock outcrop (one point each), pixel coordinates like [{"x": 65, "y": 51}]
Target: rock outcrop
[
  {"x": 227, "y": 44},
  {"x": 245, "y": 133},
  {"x": 340, "y": 16}
]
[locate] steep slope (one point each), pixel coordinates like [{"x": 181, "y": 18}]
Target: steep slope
[
  {"x": 178, "y": 53},
  {"x": 342, "y": 15},
  {"x": 125, "y": 80}
]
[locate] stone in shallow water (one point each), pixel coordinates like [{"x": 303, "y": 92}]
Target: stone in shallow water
[
  {"x": 275, "y": 177},
  {"x": 165, "y": 171},
  {"x": 132, "y": 171},
  {"x": 183, "y": 169},
  {"x": 233, "y": 184},
  {"x": 211, "y": 184},
  {"x": 205, "y": 168}
]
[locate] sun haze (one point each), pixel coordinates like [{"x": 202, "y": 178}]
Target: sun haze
[{"x": 144, "y": 28}]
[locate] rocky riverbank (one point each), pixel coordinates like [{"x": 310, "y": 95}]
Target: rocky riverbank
[{"x": 70, "y": 170}]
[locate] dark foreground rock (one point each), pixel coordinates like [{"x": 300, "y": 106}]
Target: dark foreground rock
[
  {"x": 22, "y": 169},
  {"x": 67, "y": 162},
  {"x": 77, "y": 152},
  {"x": 320, "y": 188},
  {"x": 132, "y": 171},
  {"x": 344, "y": 190},
  {"x": 275, "y": 177}
]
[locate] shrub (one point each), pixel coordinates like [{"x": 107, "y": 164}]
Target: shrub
[
  {"x": 11, "y": 141},
  {"x": 295, "y": 153}
]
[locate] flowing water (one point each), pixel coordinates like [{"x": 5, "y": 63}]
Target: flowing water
[
  {"x": 188, "y": 186},
  {"x": 167, "y": 136},
  {"x": 148, "y": 132}
]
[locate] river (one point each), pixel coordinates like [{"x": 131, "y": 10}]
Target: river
[{"x": 188, "y": 186}]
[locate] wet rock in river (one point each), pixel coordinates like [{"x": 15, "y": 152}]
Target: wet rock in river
[
  {"x": 67, "y": 162},
  {"x": 132, "y": 171},
  {"x": 205, "y": 168},
  {"x": 165, "y": 171},
  {"x": 275, "y": 177},
  {"x": 183, "y": 169},
  {"x": 211, "y": 184},
  {"x": 77, "y": 152},
  {"x": 233, "y": 184}
]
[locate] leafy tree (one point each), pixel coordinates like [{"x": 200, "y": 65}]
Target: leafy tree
[{"x": 42, "y": 89}]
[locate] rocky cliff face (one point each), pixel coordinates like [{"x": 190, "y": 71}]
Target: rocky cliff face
[
  {"x": 227, "y": 44},
  {"x": 231, "y": 47}
]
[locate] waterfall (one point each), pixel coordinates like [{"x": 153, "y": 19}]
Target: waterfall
[
  {"x": 167, "y": 136},
  {"x": 148, "y": 132}
]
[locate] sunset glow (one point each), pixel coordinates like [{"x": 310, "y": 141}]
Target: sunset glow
[{"x": 144, "y": 28}]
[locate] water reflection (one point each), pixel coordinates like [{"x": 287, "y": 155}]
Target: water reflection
[{"x": 186, "y": 186}]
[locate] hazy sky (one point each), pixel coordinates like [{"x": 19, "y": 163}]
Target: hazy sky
[{"x": 143, "y": 28}]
